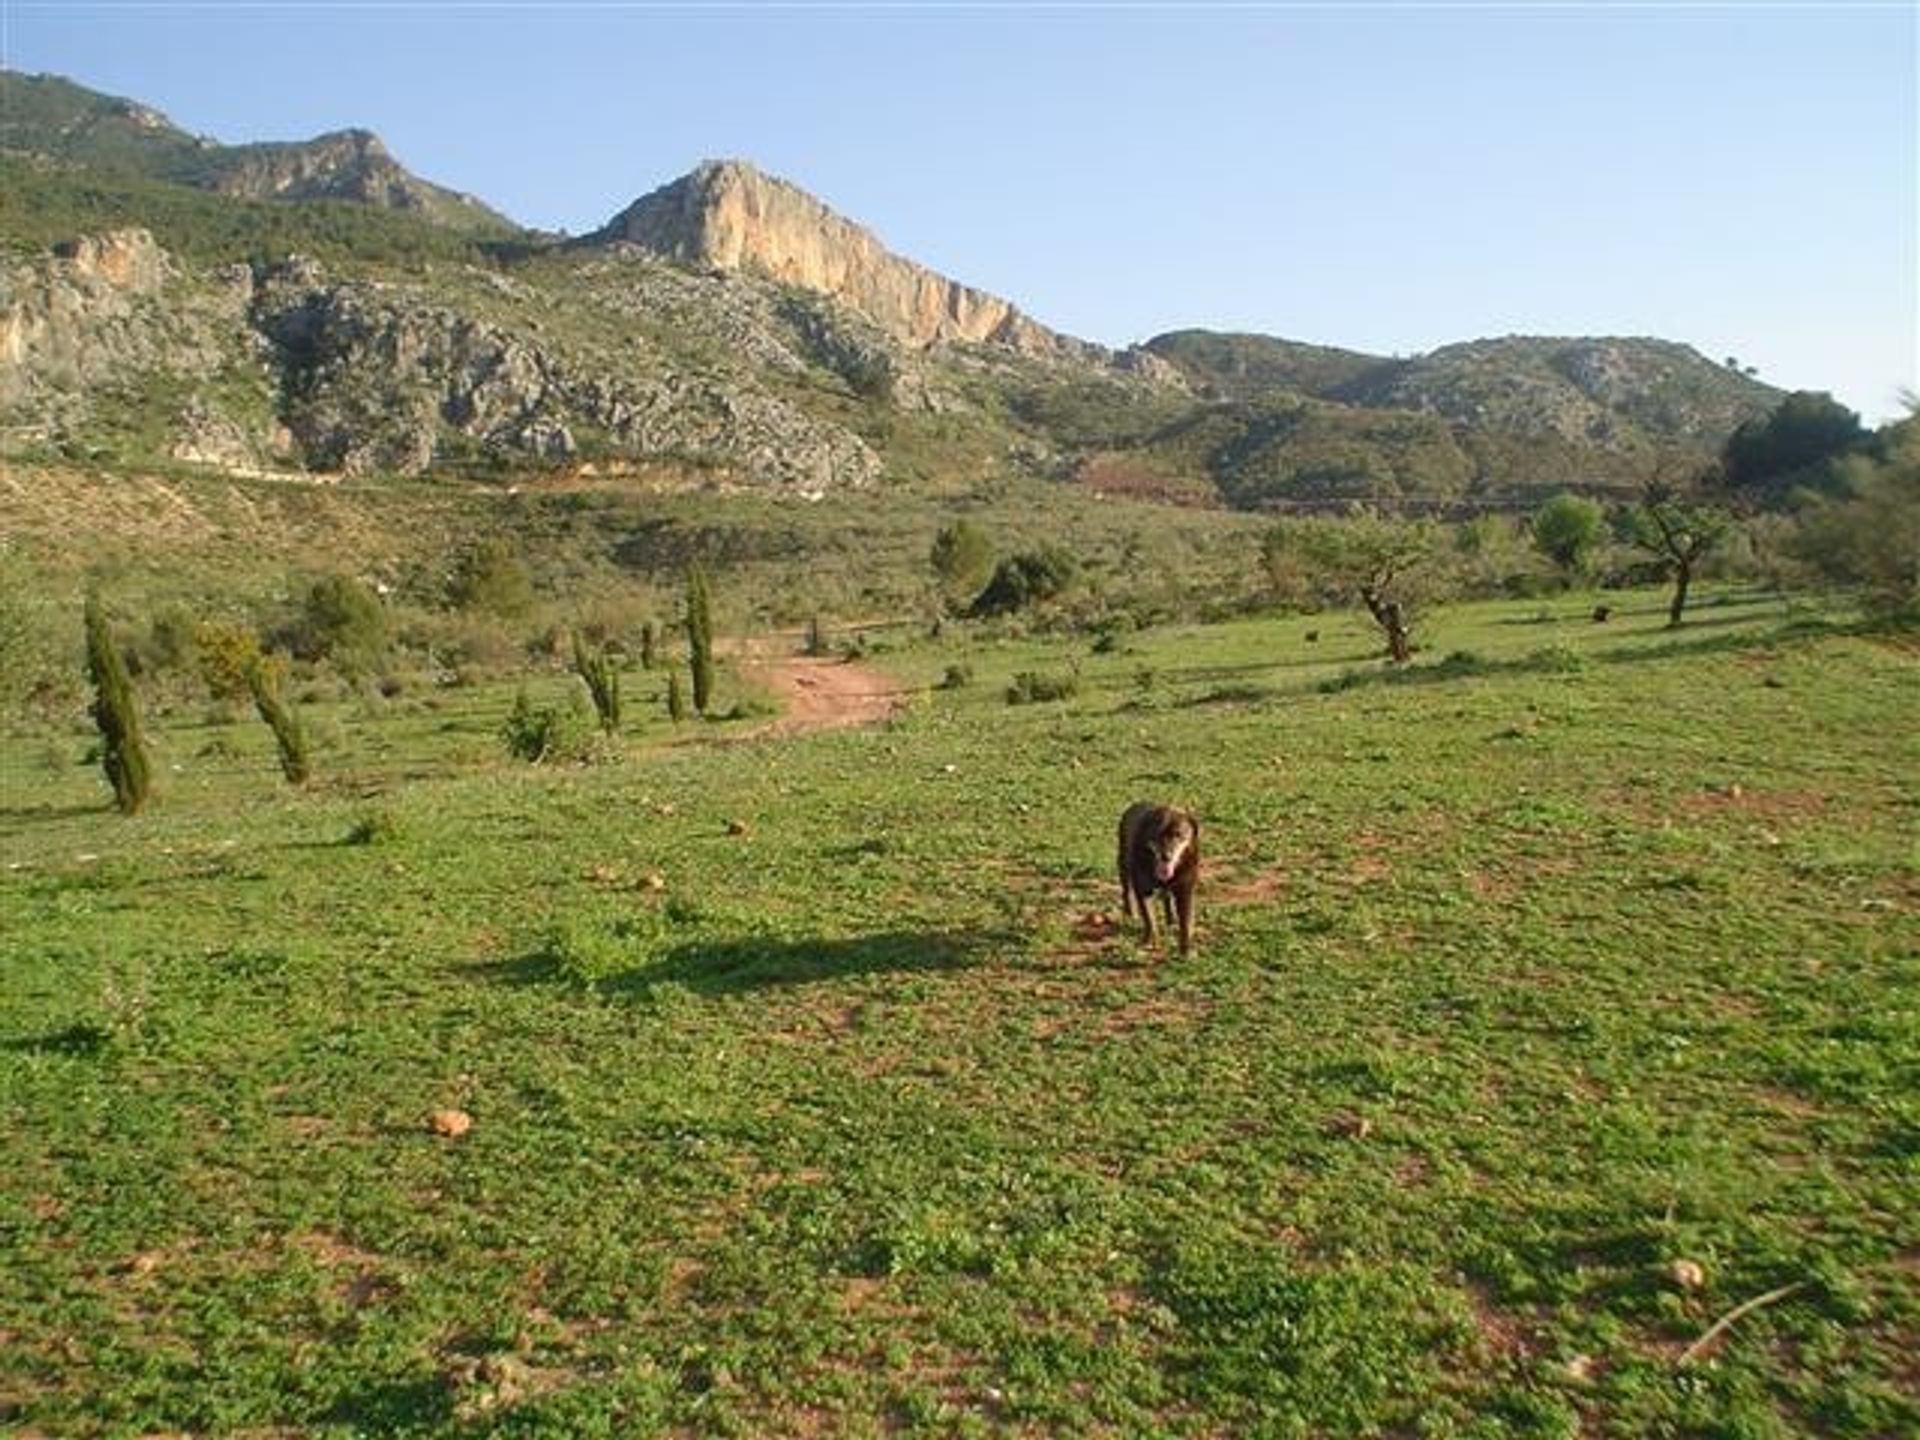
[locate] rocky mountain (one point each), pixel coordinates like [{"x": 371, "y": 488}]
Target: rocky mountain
[
  {"x": 50, "y": 116},
  {"x": 162, "y": 297},
  {"x": 730, "y": 216}
]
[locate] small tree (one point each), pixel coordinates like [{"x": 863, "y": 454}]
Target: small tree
[
  {"x": 492, "y": 577},
  {"x": 1764, "y": 461},
  {"x": 1386, "y": 564},
  {"x": 224, "y": 652},
  {"x": 265, "y": 677},
  {"x": 676, "y": 698},
  {"x": 1678, "y": 529},
  {"x": 961, "y": 557},
  {"x": 700, "y": 637},
  {"x": 648, "y": 642},
  {"x": 603, "y": 681},
  {"x": 123, "y": 750},
  {"x": 343, "y": 621},
  {"x": 1026, "y": 579},
  {"x": 1567, "y": 530},
  {"x": 1868, "y": 536}
]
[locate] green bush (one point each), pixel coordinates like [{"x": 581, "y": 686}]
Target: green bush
[
  {"x": 1030, "y": 687},
  {"x": 1026, "y": 579},
  {"x": 541, "y": 733}
]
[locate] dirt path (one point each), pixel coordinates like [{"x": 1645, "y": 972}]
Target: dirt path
[{"x": 817, "y": 693}]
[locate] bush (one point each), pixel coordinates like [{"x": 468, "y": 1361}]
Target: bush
[
  {"x": 958, "y": 676},
  {"x": 602, "y": 680},
  {"x": 1026, "y": 579},
  {"x": 539, "y": 733},
  {"x": 375, "y": 827},
  {"x": 1030, "y": 687},
  {"x": 491, "y": 577},
  {"x": 340, "y": 620}
]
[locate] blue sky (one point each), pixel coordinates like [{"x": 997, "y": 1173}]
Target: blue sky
[{"x": 1390, "y": 178}]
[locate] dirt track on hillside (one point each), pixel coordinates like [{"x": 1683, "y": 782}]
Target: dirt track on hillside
[{"x": 815, "y": 692}]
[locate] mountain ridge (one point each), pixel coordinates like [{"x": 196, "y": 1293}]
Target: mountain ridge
[{"x": 727, "y": 324}]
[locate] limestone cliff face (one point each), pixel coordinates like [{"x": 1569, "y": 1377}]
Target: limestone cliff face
[{"x": 730, "y": 216}]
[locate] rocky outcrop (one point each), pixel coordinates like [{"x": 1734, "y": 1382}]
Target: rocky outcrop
[
  {"x": 730, "y": 216},
  {"x": 344, "y": 165},
  {"x": 381, "y": 379}
]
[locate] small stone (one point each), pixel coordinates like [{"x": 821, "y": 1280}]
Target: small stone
[
  {"x": 450, "y": 1123},
  {"x": 1688, "y": 1274},
  {"x": 736, "y": 827}
]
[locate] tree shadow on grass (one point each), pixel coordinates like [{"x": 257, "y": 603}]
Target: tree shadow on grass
[
  {"x": 1552, "y": 660},
  {"x": 397, "y": 1407},
  {"x": 756, "y": 962}
]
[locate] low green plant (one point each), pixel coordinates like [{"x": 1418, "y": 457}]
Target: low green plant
[{"x": 1031, "y": 687}]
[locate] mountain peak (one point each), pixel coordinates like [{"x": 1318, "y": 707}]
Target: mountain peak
[{"x": 728, "y": 214}]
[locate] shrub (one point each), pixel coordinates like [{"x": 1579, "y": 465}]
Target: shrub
[
  {"x": 676, "y": 698},
  {"x": 537, "y": 733},
  {"x": 602, "y": 681},
  {"x": 1030, "y": 687},
  {"x": 224, "y": 651},
  {"x": 959, "y": 675},
  {"x": 1026, "y": 579},
  {"x": 491, "y": 577},
  {"x": 340, "y": 620},
  {"x": 375, "y": 827}
]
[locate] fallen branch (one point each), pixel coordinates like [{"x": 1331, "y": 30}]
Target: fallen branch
[{"x": 1719, "y": 1327}]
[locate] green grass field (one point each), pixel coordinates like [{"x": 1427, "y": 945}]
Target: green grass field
[{"x": 1552, "y": 1000}]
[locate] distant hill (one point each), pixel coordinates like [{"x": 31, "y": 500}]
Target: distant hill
[
  {"x": 50, "y": 116},
  {"x": 314, "y": 306}
]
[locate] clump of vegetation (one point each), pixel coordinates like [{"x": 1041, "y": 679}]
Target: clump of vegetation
[
  {"x": 491, "y": 577},
  {"x": 961, "y": 556},
  {"x": 375, "y": 827},
  {"x": 541, "y": 733},
  {"x": 123, "y": 749},
  {"x": 958, "y": 676},
  {"x": 341, "y": 620},
  {"x": 596, "y": 668},
  {"x": 1031, "y": 687},
  {"x": 265, "y": 677},
  {"x": 1866, "y": 536},
  {"x": 1568, "y": 530},
  {"x": 1026, "y": 579},
  {"x": 676, "y": 697},
  {"x": 648, "y": 642}
]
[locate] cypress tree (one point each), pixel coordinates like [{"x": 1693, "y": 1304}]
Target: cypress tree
[
  {"x": 700, "y": 637},
  {"x": 123, "y": 752},
  {"x": 263, "y": 683},
  {"x": 676, "y": 698}
]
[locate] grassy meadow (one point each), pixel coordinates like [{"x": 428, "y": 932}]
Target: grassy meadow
[{"x": 1553, "y": 999}]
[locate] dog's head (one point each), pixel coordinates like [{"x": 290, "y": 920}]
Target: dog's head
[{"x": 1170, "y": 841}]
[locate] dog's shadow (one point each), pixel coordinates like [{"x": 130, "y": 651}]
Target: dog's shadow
[{"x": 757, "y": 962}]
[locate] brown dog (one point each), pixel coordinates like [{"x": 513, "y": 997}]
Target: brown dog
[{"x": 1160, "y": 850}]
